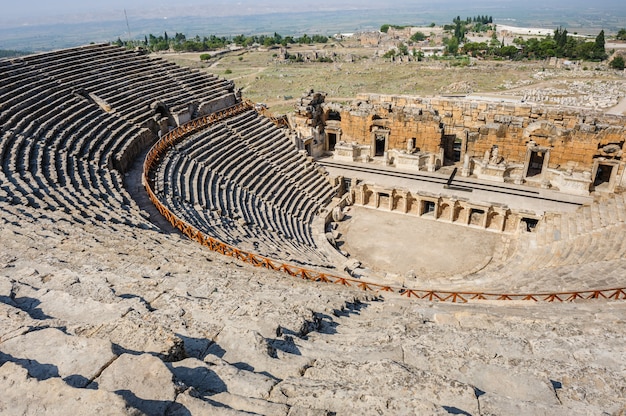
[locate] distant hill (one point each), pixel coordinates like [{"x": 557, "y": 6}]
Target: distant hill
[
  {"x": 194, "y": 21},
  {"x": 4, "y": 53}
]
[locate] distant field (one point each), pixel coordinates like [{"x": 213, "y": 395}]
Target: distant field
[{"x": 280, "y": 84}]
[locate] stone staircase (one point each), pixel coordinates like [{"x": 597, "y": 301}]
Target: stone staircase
[{"x": 583, "y": 249}]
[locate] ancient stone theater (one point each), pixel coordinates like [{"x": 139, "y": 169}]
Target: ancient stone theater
[{"x": 169, "y": 248}]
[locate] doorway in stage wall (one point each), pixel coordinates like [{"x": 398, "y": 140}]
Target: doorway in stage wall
[
  {"x": 605, "y": 175},
  {"x": 535, "y": 166},
  {"x": 380, "y": 146},
  {"x": 332, "y": 141}
]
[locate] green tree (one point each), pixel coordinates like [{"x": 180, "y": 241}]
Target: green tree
[
  {"x": 390, "y": 53},
  {"x": 617, "y": 63},
  {"x": 508, "y": 51},
  {"x": 459, "y": 31},
  {"x": 621, "y": 34},
  {"x": 304, "y": 39},
  {"x": 384, "y": 28},
  {"x": 585, "y": 50},
  {"x": 418, "y": 37},
  {"x": 452, "y": 46},
  {"x": 560, "y": 37},
  {"x": 598, "y": 49}
]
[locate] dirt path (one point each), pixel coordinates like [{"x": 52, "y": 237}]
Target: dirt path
[{"x": 619, "y": 109}]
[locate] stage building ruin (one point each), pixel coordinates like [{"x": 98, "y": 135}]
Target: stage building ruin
[{"x": 572, "y": 150}]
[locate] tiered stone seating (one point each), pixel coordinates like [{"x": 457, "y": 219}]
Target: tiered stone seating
[
  {"x": 225, "y": 181},
  {"x": 61, "y": 151},
  {"x": 130, "y": 82},
  {"x": 565, "y": 249}
]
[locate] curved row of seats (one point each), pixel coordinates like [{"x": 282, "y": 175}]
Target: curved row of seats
[
  {"x": 60, "y": 151},
  {"x": 128, "y": 81},
  {"x": 243, "y": 182},
  {"x": 59, "y": 164},
  {"x": 566, "y": 249}
]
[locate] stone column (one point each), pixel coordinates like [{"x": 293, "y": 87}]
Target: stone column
[
  {"x": 359, "y": 195},
  {"x": 405, "y": 199},
  {"x": 468, "y": 213},
  {"x": 465, "y": 171},
  {"x": 430, "y": 167},
  {"x": 503, "y": 216},
  {"x": 486, "y": 217},
  {"x": 453, "y": 203},
  {"x": 420, "y": 206},
  {"x": 436, "y": 211}
]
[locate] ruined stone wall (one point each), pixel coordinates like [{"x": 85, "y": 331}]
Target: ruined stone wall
[
  {"x": 573, "y": 136},
  {"x": 403, "y": 124}
]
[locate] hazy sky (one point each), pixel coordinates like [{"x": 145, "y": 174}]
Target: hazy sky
[
  {"x": 31, "y": 11},
  {"x": 41, "y": 8},
  {"x": 35, "y": 12}
]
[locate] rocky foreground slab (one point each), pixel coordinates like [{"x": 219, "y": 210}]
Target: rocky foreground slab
[{"x": 131, "y": 321}]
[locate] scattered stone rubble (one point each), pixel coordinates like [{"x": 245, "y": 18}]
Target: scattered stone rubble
[{"x": 577, "y": 91}]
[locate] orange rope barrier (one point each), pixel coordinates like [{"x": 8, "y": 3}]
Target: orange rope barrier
[{"x": 179, "y": 133}]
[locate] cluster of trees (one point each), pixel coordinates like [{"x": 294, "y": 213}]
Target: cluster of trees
[
  {"x": 403, "y": 50},
  {"x": 461, "y": 27},
  {"x": 385, "y": 28},
  {"x": 560, "y": 45},
  {"x": 276, "y": 39},
  {"x": 621, "y": 34},
  {"x": 180, "y": 43}
]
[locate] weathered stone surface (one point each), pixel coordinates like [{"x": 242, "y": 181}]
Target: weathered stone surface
[
  {"x": 49, "y": 353},
  {"x": 358, "y": 380},
  {"x": 221, "y": 377},
  {"x": 257, "y": 353},
  {"x": 25, "y": 395},
  {"x": 14, "y": 321},
  {"x": 62, "y": 305},
  {"x": 143, "y": 381},
  {"x": 492, "y": 405},
  {"x": 305, "y": 411},
  {"x": 248, "y": 404},
  {"x": 143, "y": 333},
  {"x": 6, "y": 288},
  {"x": 517, "y": 385},
  {"x": 186, "y": 405}
]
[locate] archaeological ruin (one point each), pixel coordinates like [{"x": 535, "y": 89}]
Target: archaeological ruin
[
  {"x": 575, "y": 151},
  {"x": 169, "y": 248}
]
